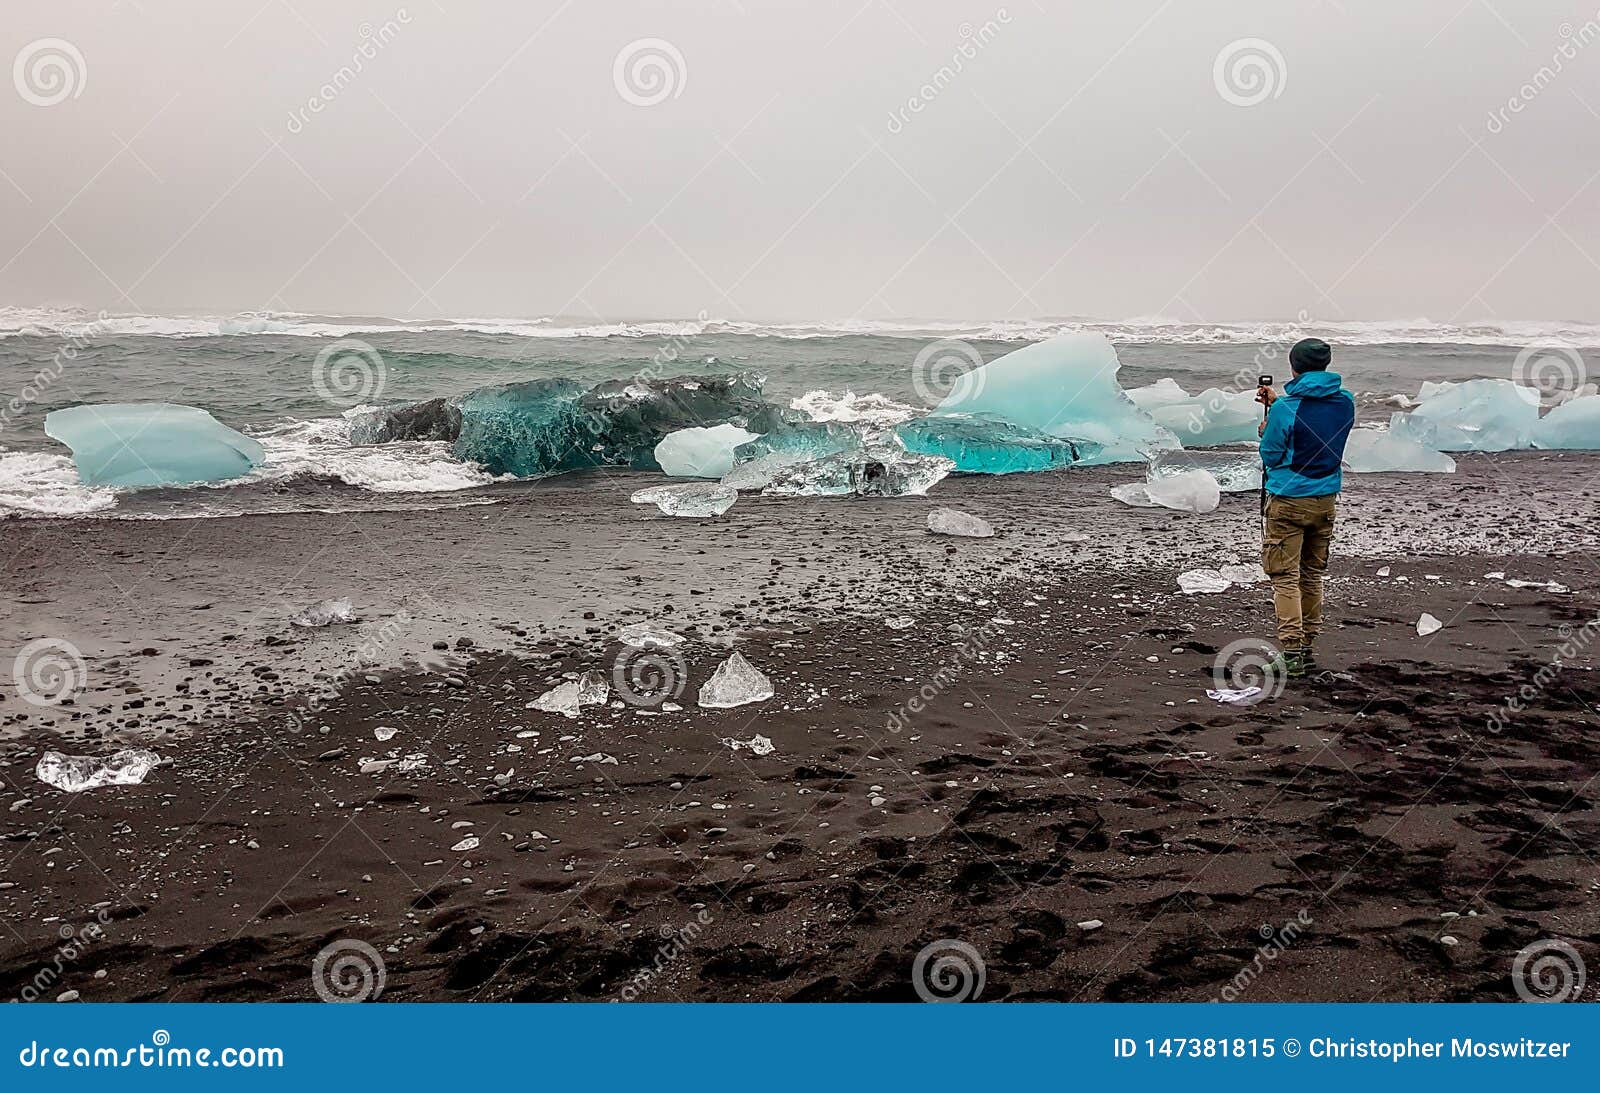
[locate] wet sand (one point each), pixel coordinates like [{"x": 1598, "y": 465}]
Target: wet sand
[{"x": 1368, "y": 830}]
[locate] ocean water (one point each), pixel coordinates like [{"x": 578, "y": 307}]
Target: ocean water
[{"x": 292, "y": 381}]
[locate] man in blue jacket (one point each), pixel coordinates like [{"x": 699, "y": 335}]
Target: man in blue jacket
[{"x": 1302, "y": 447}]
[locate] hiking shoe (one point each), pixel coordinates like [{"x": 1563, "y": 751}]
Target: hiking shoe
[
  {"x": 1290, "y": 663},
  {"x": 1308, "y": 657}
]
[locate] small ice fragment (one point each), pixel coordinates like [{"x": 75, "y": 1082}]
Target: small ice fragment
[
  {"x": 76, "y": 773},
  {"x": 1243, "y": 696},
  {"x": 598, "y": 757},
  {"x": 758, "y": 745},
  {"x": 411, "y": 763},
  {"x": 384, "y": 732},
  {"x": 900, "y": 622},
  {"x": 1135, "y": 494},
  {"x": 643, "y": 635},
  {"x": 468, "y": 843},
  {"x": 567, "y": 699},
  {"x": 374, "y": 766},
  {"x": 325, "y": 613},
  {"x": 736, "y": 682},
  {"x": 1497, "y": 575},
  {"x": 1384, "y": 572},
  {"x": 692, "y": 499},
  {"x": 1244, "y": 573},
  {"x": 1427, "y": 624},
  {"x": 945, "y": 521},
  {"x": 1203, "y": 580}
]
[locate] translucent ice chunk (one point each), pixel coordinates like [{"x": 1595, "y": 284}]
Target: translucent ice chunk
[
  {"x": 325, "y": 613},
  {"x": 757, "y": 745},
  {"x": 1188, "y": 491},
  {"x": 759, "y": 473},
  {"x": 151, "y": 444},
  {"x": 878, "y": 471},
  {"x": 1163, "y": 392},
  {"x": 1573, "y": 424},
  {"x": 736, "y": 682},
  {"x": 1427, "y": 624},
  {"x": 643, "y": 635},
  {"x": 1235, "y": 471},
  {"x": 76, "y": 773},
  {"x": 1203, "y": 580},
  {"x": 689, "y": 499},
  {"x": 1476, "y": 416},
  {"x": 569, "y": 698},
  {"x": 1370, "y": 451},
  {"x": 982, "y": 444},
  {"x": 802, "y": 440},
  {"x": 524, "y": 429},
  {"x": 1066, "y": 387},
  {"x": 1135, "y": 494},
  {"x": 1244, "y": 573},
  {"x": 701, "y": 453},
  {"x": 943, "y": 521}
]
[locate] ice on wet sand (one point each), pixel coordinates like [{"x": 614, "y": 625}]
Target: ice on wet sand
[
  {"x": 1203, "y": 580},
  {"x": 1485, "y": 415},
  {"x": 151, "y": 444},
  {"x": 701, "y": 452},
  {"x": 1236, "y": 471},
  {"x": 736, "y": 682},
  {"x": 1187, "y": 491},
  {"x": 77, "y": 773},
  {"x": 1573, "y": 424},
  {"x": 1374, "y": 451},
  {"x": 1212, "y": 417},
  {"x": 569, "y": 698},
  {"x": 946, "y": 521},
  {"x": 643, "y": 635},
  {"x": 325, "y": 613},
  {"x": 882, "y": 470},
  {"x": 692, "y": 499},
  {"x": 1427, "y": 624}
]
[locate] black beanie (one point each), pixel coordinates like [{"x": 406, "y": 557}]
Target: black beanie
[{"x": 1310, "y": 355}]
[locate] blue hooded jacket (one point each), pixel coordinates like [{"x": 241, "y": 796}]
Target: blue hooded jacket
[{"x": 1303, "y": 444}]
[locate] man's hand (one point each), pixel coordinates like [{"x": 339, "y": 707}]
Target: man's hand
[{"x": 1266, "y": 396}]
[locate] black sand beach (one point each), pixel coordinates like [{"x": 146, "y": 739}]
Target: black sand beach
[{"x": 1069, "y": 803}]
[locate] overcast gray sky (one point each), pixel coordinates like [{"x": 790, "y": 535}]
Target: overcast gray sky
[{"x": 497, "y": 158}]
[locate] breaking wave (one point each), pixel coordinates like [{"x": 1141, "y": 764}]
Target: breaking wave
[{"x": 57, "y": 322}]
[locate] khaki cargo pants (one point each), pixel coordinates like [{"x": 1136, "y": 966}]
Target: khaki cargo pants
[{"x": 1294, "y": 552}]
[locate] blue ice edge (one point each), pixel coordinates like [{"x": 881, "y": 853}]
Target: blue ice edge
[{"x": 705, "y": 1047}]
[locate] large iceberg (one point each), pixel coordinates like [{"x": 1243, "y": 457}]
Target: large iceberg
[
  {"x": 701, "y": 453},
  {"x": 151, "y": 444},
  {"x": 435, "y": 419},
  {"x": 1212, "y": 417},
  {"x": 1371, "y": 451},
  {"x": 1064, "y": 387},
  {"x": 983, "y": 444},
  {"x": 1573, "y": 424},
  {"x": 546, "y": 426},
  {"x": 1487, "y": 415}
]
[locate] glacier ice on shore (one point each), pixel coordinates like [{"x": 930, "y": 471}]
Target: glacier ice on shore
[
  {"x": 325, "y": 613},
  {"x": 77, "y": 773},
  {"x": 524, "y": 429},
  {"x": 151, "y": 444},
  {"x": 1236, "y": 471},
  {"x": 881, "y": 470},
  {"x": 1212, "y": 417},
  {"x": 1185, "y": 490},
  {"x": 1374, "y": 451},
  {"x": 801, "y": 440},
  {"x": 947, "y": 521},
  {"x": 693, "y": 499},
  {"x": 1573, "y": 424},
  {"x": 736, "y": 682},
  {"x": 1065, "y": 386},
  {"x": 984, "y": 444},
  {"x": 701, "y": 452},
  {"x": 1485, "y": 415}
]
